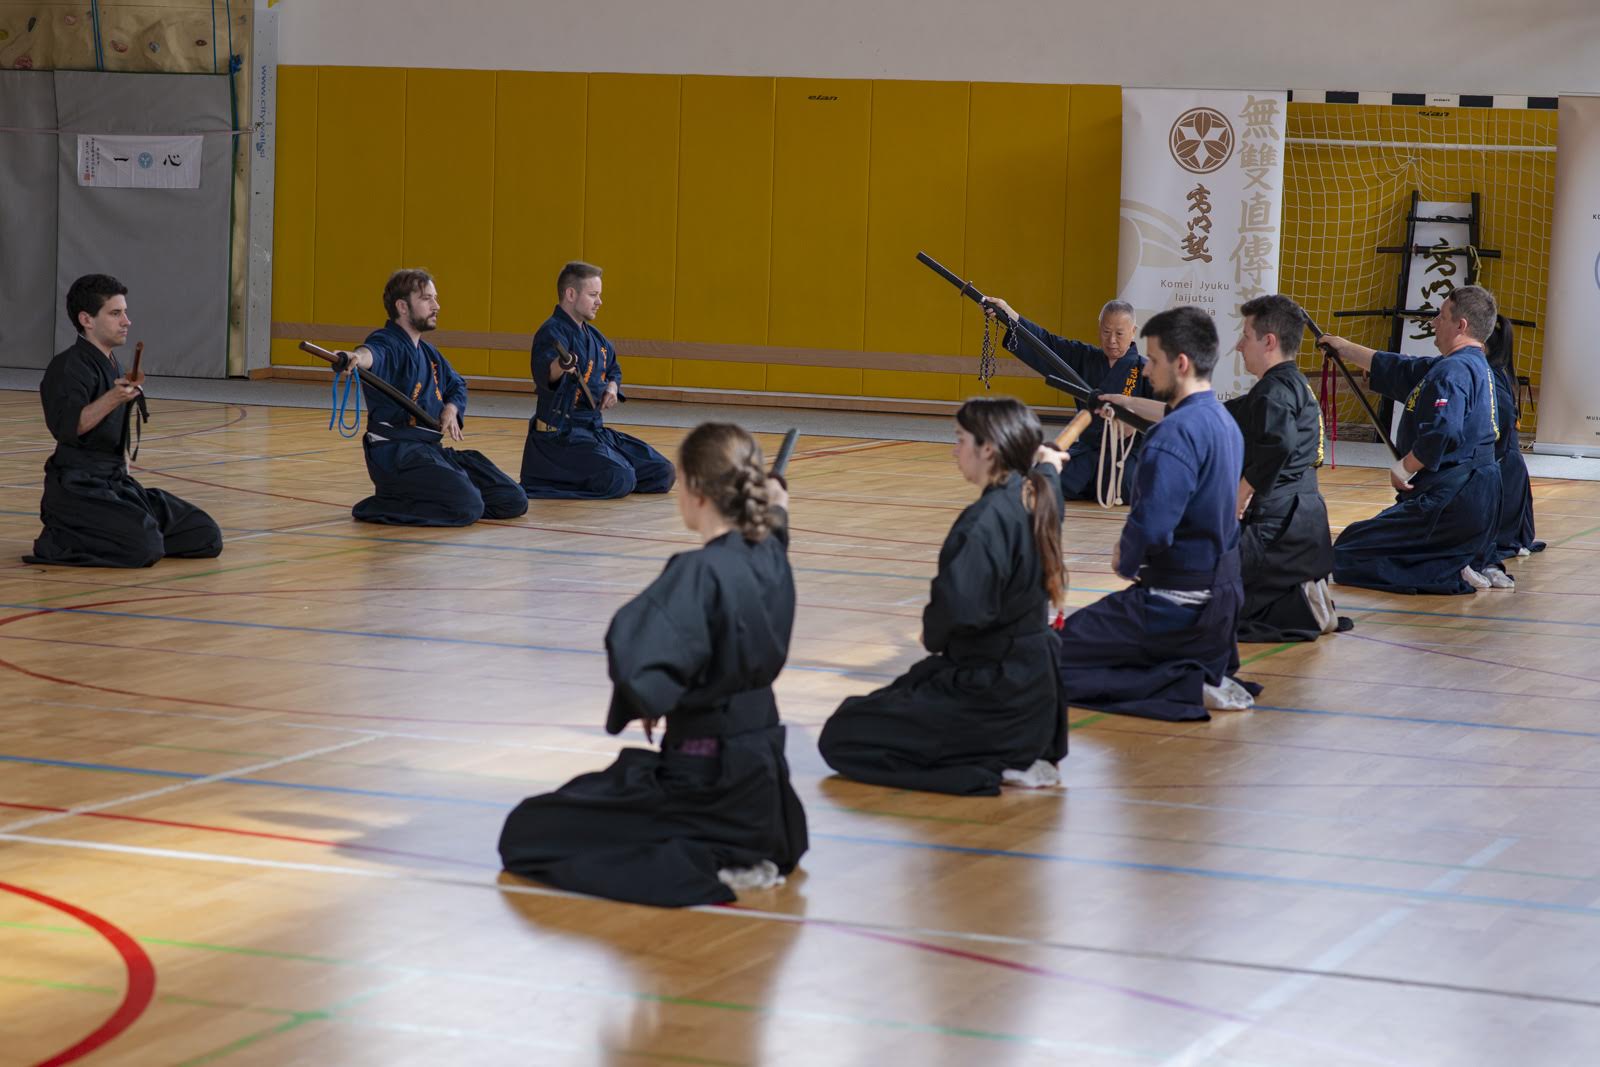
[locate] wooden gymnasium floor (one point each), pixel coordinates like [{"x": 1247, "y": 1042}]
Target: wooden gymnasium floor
[{"x": 248, "y": 806}]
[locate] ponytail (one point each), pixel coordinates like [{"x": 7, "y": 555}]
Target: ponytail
[
  {"x": 1014, "y": 430},
  {"x": 723, "y": 463}
]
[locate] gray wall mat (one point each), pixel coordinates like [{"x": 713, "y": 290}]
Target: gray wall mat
[
  {"x": 28, "y": 220},
  {"x": 168, "y": 246}
]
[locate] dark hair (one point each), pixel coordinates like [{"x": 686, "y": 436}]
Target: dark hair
[
  {"x": 90, "y": 293},
  {"x": 573, "y": 274},
  {"x": 1477, "y": 305},
  {"x": 403, "y": 285},
  {"x": 723, "y": 463},
  {"x": 1014, "y": 430},
  {"x": 1278, "y": 315},
  {"x": 1501, "y": 350},
  {"x": 1189, "y": 331}
]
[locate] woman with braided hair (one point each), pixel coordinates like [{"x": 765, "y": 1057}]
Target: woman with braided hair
[
  {"x": 985, "y": 707},
  {"x": 712, "y": 810}
]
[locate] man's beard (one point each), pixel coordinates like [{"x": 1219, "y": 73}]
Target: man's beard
[
  {"x": 1163, "y": 393},
  {"x": 424, "y": 325}
]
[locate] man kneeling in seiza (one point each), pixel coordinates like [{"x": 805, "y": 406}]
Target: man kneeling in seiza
[
  {"x": 570, "y": 453},
  {"x": 1164, "y": 648},
  {"x": 416, "y": 481},
  {"x": 1440, "y": 536},
  {"x": 1285, "y": 546}
]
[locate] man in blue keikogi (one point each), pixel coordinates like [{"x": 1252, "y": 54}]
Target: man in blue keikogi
[
  {"x": 570, "y": 453},
  {"x": 416, "y": 481},
  {"x": 1164, "y": 647},
  {"x": 1114, "y": 367},
  {"x": 1440, "y": 536}
]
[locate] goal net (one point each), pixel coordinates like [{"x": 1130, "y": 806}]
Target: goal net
[{"x": 1349, "y": 172}]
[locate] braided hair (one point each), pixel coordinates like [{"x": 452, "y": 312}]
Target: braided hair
[
  {"x": 1014, "y": 430},
  {"x": 723, "y": 463}
]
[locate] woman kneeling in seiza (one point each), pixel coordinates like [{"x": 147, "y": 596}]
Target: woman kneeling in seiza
[
  {"x": 713, "y": 810},
  {"x": 986, "y": 706}
]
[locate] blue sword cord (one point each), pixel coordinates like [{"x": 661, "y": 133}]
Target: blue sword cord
[{"x": 336, "y": 417}]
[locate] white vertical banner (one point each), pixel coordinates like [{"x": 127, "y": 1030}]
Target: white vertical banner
[
  {"x": 1569, "y": 388},
  {"x": 1202, "y": 207}
]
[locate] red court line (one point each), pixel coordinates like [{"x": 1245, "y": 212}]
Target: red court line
[
  {"x": 293, "y": 839},
  {"x": 8, "y": 665},
  {"x": 141, "y": 978}
]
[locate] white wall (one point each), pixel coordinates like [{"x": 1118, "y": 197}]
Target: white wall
[{"x": 1536, "y": 47}]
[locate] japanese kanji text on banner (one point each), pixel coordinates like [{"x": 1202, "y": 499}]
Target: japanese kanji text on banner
[
  {"x": 117, "y": 161},
  {"x": 1202, "y": 206}
]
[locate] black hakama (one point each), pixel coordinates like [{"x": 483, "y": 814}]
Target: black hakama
[
  {"x": 1144, "y": 650},
  {"x": 1284, "y": 541},
  {"x": 1515, "y": 534},
  {"x": 418, "y": 482},
  {"x": 94, "y": 513},
  {"x": 1449, "y": 517},
  {"x": 570, "y": 454},
  {"x": 701, "y": 646},
  {"x": 590, "y": 461},
  {"x": 988, "y": 699}
]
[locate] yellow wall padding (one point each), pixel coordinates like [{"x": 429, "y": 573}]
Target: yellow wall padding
[
  {"x": 1094, "y": 190},
  {"x": 917, "y": 198},
  {"x": 630, "y": 218},
  {"x": 294, "y": 227},
  {"x": 727, "y": 211},
  {"x": 361, "y": 153},
  {"x": 447, "y": 220},
  {"x": 541, "y": 131}
]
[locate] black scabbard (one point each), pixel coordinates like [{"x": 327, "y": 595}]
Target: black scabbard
[
  {"x": 1329, "y": 353},
  {"x": 1062, "y": 375}
]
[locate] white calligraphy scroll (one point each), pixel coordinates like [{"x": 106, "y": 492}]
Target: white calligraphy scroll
[
  {"x": 117, "y": 161},
  {"x": 1569, "y": 378},
  {"x": 1202, "y": 207}
]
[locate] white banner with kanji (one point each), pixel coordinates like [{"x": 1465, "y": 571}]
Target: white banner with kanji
[
  {"x": 126, "y": 161},
  {"x": 1202, "y": 207}
]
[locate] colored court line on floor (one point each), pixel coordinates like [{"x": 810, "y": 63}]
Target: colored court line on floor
[
  {"x": 347, "y": 846},
  {"x": 1467, "y": 617},
  {"x": 1195, "y": 842},
  {"x": 1429, "y": 721},
  {"x": 578, "y": 990},
  {"x": 1108, "y": 864},
  {"x": 117, "y": 768},
  {"x": 140, "y": 985},
  {"x": 1474, "y": 659},
  {"x": 34, "y": 611}
]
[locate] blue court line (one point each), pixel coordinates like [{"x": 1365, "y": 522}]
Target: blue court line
[
  {"x": 241, "y": 624},
  {"x": 1047, "y": 857},
  {"x": 1438, "y": 722},
  {"x": 1229, "y": 876},
  {"x": 151, "y": 772},
  {"x": 1464, "y": 616}
]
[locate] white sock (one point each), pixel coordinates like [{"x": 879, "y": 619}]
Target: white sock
[
  {"x": 1041, "y": 775},
  {"x": 1473, "y": 578},
  {"x": 763, "y": 875},
  {"x": 1229, "y": 696},
  {"x": 1498, "y": 578}
]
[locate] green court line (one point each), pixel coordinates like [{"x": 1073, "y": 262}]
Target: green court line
[
  {"x": 296, "y": 1019},
  {"x": 246, "y": 1041},
  {"x": 1087, "y": 720},
  {"x": 1574, "y": 537},
  {"x": 1270, "y": 652}
]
